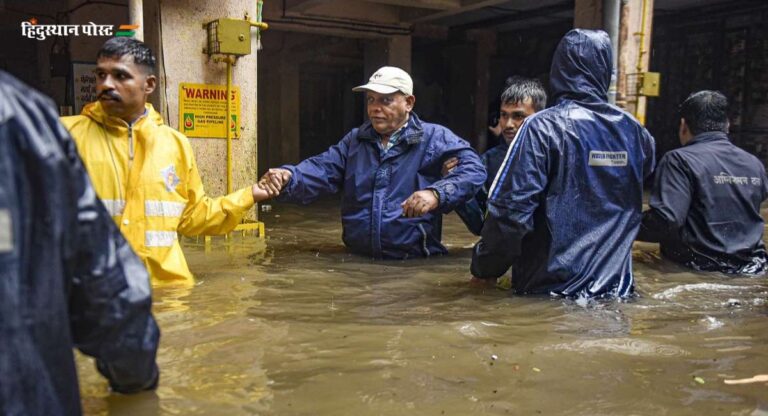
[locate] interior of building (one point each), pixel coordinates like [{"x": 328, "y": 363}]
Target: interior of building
[{"x": 459, "y": 53}]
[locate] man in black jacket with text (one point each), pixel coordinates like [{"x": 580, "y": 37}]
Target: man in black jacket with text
[{"x": 705, "y": 204}]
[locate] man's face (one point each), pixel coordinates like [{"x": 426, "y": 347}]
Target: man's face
[
  {"x": 511, "y": 117},
  {"x": 388, "y": 112},
  {"x": 122, "y": 86}
]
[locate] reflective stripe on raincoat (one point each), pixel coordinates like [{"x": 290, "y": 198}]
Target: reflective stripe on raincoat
[
  {"x": 160, "y": 194},
  {"x": 373, "y": 186},
  {"x": 565, "y": 205}
]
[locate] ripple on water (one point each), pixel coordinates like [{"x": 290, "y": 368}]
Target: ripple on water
[
  {"x": 674, "y": 292},
  {"x": 626, "y": 346}
]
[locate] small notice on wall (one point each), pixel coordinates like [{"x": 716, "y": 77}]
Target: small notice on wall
[
  {"x": 203, "y": 109},
  {"x": 83, "y": 84}
]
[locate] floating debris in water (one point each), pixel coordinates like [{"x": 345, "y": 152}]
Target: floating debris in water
[
  {"x": 712, "y": 322},
  {"x": 733, "y": 302},
  {"x": 494, "y": 357},
  {"x": 699, "y": 380},
  {"x": 536, "y": 369}
]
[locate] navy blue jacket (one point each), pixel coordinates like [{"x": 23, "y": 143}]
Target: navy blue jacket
[
  {"x": 567, "y": 201},
  {"x": 67, "y": 276},
  {"x": 705, "y": 207},
  {"x": 374, "y": 184},
  {"x": 472, "y": 213}
]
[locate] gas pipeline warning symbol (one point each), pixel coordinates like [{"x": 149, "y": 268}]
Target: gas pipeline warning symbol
[
  {"x": 189, "y": 121},
  {"x": 203, "y": 110}
]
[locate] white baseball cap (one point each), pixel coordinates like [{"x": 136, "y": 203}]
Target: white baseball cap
[{"x": 387, "y": 80}]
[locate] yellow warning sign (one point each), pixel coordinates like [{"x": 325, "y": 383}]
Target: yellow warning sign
[{"x": 203, "y": 109}]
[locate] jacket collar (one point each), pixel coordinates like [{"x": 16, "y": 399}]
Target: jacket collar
[
  {"x": 96, "y": 112},
  {"x": 709, "y": 136},
  {"x": 414, "y": 132}
]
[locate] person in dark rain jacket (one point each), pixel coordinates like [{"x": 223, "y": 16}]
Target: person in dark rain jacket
[
  {"x": 389, "y": 173},
  {"x": 567, "y": 201},
  {"x": 67, "y": 276},
  {"x": 521, "y": 98},
  {"x": 705, "y": 203}
]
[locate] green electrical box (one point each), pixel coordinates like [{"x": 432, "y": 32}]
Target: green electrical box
[
  {"x": 228, "y": 37},
  {"x": 650, "y": 84}
]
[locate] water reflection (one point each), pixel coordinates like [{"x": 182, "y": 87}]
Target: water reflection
[{"x": 298, "y": 326}]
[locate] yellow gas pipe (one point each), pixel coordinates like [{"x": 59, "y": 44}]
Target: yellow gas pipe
[{"x": 640, "y": 109}]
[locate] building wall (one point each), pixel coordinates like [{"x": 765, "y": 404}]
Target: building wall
[{"x": 183, "y": 39}]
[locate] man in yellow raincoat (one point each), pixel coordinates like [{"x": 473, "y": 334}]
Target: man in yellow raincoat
[{"x": 145, "y": 171}]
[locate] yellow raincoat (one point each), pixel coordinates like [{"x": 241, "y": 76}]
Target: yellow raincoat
[{"x": 147, "y": 177}]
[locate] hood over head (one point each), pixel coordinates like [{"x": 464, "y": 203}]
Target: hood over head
[{"x": 581, "y": 66}]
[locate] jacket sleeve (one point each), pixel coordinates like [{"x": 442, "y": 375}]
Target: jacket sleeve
[
  {"x": 109, "y": 292},
  {"x": 471, "y": 214},
  {"x": 463, "y": 182},
  {"x": 670, "y": 200},
  {"x": 318, "y": 175},
  {"x": 206, "y": 215},
  {"x": 649, "y": 153},
  {"x": 517, "y": 193}
]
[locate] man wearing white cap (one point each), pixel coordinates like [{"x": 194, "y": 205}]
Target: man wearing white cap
[{"x": 389, "y": 173}]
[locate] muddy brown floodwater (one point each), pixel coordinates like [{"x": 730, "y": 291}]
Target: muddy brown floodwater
[{"x": 294, "y": 325}]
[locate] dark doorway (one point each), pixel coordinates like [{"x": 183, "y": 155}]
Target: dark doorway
[{"x": 327, "y": 106}]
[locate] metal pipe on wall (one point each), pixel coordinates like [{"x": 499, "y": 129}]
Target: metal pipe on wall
[
  {"x": 136, "y": 17},
  {"x": 611, "y": 12}
]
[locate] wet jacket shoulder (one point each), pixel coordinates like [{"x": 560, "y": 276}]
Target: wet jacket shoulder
[
  {"x": 70, "y": 278},
  {"x": 162, "y": 194},
  {"x": 566, "y": 203},
  {"x": 374, "y": 183},
  {"x": 705, "y": 206}
]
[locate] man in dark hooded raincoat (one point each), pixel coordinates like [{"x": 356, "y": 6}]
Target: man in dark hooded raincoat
[
  {"x": 67, "y": 276},
  {"x": 567, "y": 202}
]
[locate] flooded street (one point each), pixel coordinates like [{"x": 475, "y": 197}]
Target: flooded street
[{"x": 294, "y": 325}]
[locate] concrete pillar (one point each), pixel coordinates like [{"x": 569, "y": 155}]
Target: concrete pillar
[
  {"x": 394, "y": 51},
  {"x": 485, "y": 42},
  {"x": 630, "y": 62},
  {"x": 183, "y": 61},
  {"x": 399, "y": 52},
  {"x": 588, "y": 14}
]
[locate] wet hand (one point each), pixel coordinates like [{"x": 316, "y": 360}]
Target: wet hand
[
  {"x": 259, "y": 193},
  {"x": 449, "y": 165},
  {"x": 420, "y": 203},
  {"x": 274, "y": 180}
]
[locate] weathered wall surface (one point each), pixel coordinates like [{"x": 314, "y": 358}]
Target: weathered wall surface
[{"x": 183, "y": 39}]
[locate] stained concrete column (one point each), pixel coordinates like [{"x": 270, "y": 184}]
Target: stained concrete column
[
  {"x": 485, "y": 42},
  {"x": 399, "y": 52},
  {"x": 394, "y": 51},
  {"x": 588, "y": 14},
  {"x": 183, "y": 61},
  {"x": 630, "y": 62}
]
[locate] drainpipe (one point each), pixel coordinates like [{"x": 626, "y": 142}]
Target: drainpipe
[
  {"x": 136, "y": 17},
  {"x": 611, "y": 9}
]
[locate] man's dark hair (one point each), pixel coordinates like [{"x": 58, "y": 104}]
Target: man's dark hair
[
  {"x": 121, "y": 46},
  {"x": 517, "y": 89},
  {"x": 705, "y": 111}
]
